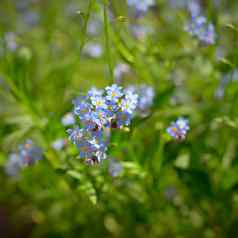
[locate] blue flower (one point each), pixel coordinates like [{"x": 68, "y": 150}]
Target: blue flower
[
  {"x": 97, "y": 113},
  {"x": 75, "y": 135},
  {"x": 179, "y": 128},
  {"x": 93, "y": 50},
  {"x": 123, "y": 119},
  {"x": 207, "y": 35},
  {"x": 115, "y": 168},
  {"x": 194, "y": 8},
  {"x": 147, "y": 96},
  {"x": 29, "y": 154},
  {"x": 120, "y": 70},
  {"x": 200, "y": 28},
  {"x": 99, "y": 102},
  {"x": 129, "y": 103},
  {"x": 13, "y": 166},
  {"x": 68, "y": 119},
  {"x": 113, "y": 93},
  {"x": 102, "y": 117},
  {"x": 11, "y": 41},
  {"x": 94, "y": 92},
  {"x": 141, "y": 5},
  {"x": 81, "y": 106},
  {"x": 59, "y": 144}
]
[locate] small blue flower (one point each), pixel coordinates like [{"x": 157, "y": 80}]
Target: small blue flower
[
  {"x": 147, "y": 95},
  {"x": 120, "y": 70},
  {"x": 29, "y": 153},
  {"x": 208, "y": 34},
  {"x": 59, "y": 144},
  {"x": 115, "y": 168},
  {"x": 141, "y": 5},
  {"x": 93, "y": 50},
  {"x": 13, "y": 166},
  {"x": 94, "y": 92},
  {"x": 123, "y": 119},
  {"x": 81, "y": 106},
  {"x": 194, "y": 8},
  {"x": 68, "y": 119},
  {"x": 99, "y": 102},
  {"x": 129, "y": 103},
  {"x": 75, "y": 135},
  {"x": 179, "y": 128},
  {"x": 200, "y": 28},
  {"x": 113, "y": 93},
  {"x": 103, "y": 117},
  {"x": 11, "y": 41}
]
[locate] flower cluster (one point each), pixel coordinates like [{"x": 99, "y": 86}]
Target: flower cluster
[
  {"x": 179, "y": 129},
  {"x": 98, "y": 112},
  {"x": 141, "y": 5},
  {"x": 28, "y": 154},
  {"x": 146, "y": 97},
  {"x": 202, "y": 29}
]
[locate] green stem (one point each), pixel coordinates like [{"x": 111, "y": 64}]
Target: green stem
[
  {"x": 107, "y": 43},
  {"x": 158, "y": 161},
  {"x": 85, "y": 26}
]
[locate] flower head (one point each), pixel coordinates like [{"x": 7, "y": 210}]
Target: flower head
[
  {"x": 120, "y": 70},
  {"x": 113, "y": 93},
  {"x": 144, "y": 99},
  {"x": 179, "y": 129},
  {"x": 141, "y": 5},
  {"x": 200, "y": 28},
  {"x": 13, "y": 166},
  {"x": 68, "y": 119},
  {"x": 59, "y": 144},
  {"x": 123, "y": 119},
  {"x": 99, "y": 102},
  {"x": 29, "y": 154},
  {"x": 99, "y": 111},
  {"x": 115, "y": 168},
  {"x": 93, "y": 50}
]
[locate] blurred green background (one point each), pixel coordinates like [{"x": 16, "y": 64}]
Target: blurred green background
[{"x": 51, "y": 52}]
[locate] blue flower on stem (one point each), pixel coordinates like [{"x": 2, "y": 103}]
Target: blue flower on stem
[
  {"x": 202, "y": 29},
  {"x": 13, "y": 166},
  {"x": 115, "y": 168},
  {"x": 29, "y": 154},
  {"x": 123, "y": 119},
  {"x": 113, "y": 93},
  {"x": 98, "y": 112},
  {"x": 141, "y": 5},
  {"x": 179, "y": 129}
]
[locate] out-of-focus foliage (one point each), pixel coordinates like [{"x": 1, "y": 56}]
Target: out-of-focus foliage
[{"x": 53, "y": 51}]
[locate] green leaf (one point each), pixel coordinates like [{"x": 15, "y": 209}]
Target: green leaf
[{"x": 74, "y": 174}]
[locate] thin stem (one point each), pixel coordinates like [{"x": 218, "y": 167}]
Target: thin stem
[
  {"x": 107, "y": 43},
  {"x": 85, "y": 26},
  {"x": 158, "y": 161}
]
